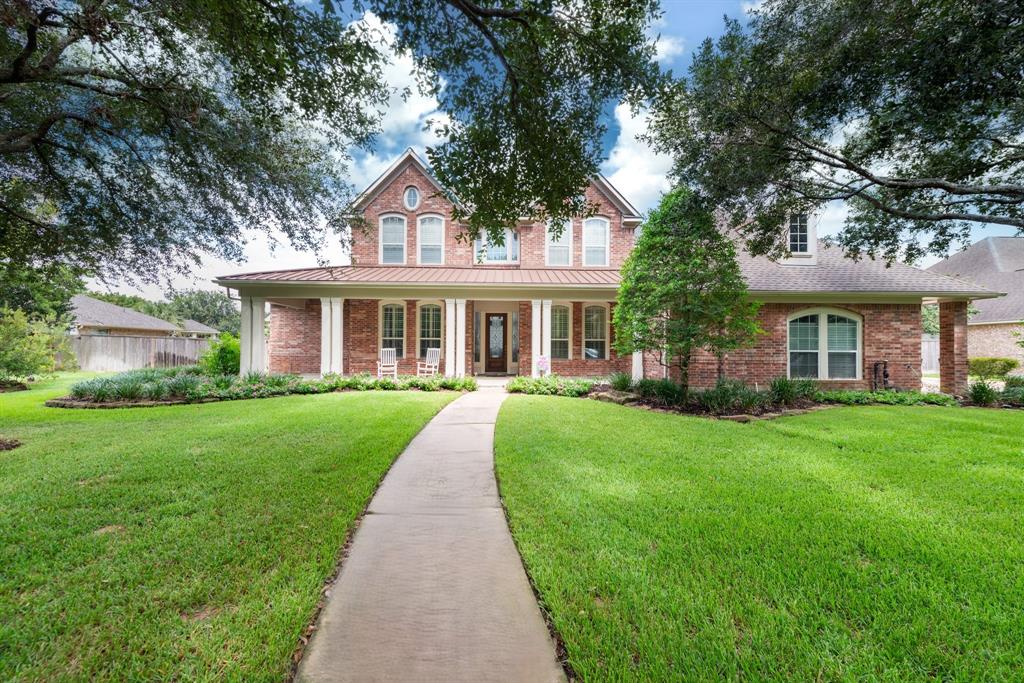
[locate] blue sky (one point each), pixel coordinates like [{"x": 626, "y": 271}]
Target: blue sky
[{"x": 632, "y": 167}]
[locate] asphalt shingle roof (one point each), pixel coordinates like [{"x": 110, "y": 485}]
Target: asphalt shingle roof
[
  {"x": 996, "y": 263},
  {"x": 91, "y": 312},
  {"x": 190, "y": 325}
]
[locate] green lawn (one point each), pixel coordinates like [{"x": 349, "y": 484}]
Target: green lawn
[
  {"x": 184, "y": 542},
  {"x": 854, "y": 543}
]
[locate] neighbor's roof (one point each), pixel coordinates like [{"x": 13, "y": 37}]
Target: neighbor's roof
[
  {"x": 996, "y": 263},
  {"x": 91, "y": 312},
  {"x": 832, "y": 273},
  {"x": 190, "y": 325}
]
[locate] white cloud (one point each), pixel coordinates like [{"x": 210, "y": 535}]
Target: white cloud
[
  {"x": 668, "y": 48},
  {"x": 633, "y": 167},
  {"x": 751, "y": 6}
]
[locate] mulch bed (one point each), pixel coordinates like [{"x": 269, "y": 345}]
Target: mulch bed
[
  {"x": 603, "y": 393},
  {"x": 9, "y": 444}
]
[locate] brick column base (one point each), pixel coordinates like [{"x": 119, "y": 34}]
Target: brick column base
[{"x": 953, "y": 347}]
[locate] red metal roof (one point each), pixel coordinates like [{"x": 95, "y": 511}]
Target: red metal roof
[{"x": 467, "y": 275}]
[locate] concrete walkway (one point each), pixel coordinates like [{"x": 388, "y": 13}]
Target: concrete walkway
[{"x": 433, "y": 588}]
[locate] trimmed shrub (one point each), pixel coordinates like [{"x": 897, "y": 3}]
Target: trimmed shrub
[
  {"x": 782, "y": 390},
  {"x": 621, "y": 381},
  {"x": 729, "y": 396},
  {"x": 982, "y": 393},
  {"x": 1013, "y": 396},
  {"x": 550, "y": 385},
  {"x": 991, "y": 368},
  {"x": 223, "y": 357},
  {"x": 901, "y": 398}
]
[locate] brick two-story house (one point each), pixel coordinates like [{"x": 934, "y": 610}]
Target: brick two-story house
[{"x": 499, "y": 308}]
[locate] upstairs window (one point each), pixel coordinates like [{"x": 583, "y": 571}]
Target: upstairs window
[
  {"x": 493, "y": 252},
  {"x": 392, "y": 240},
  {"x": 798, "y": 234},
  {"x": 595, "y": 333},
  {"x": 392, "y": 328},
  {"x": 824, "y": 345},
  {"x": 411, "y": 198},
  {"x": 430, "y": 239},
  {"x": 560, "y": 332},
  {"x": 559, "y": 249},
  {"x": 595, "y": 242}
]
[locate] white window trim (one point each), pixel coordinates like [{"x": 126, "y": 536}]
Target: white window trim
[
  {"x": 419, "y": 197},
  {"x": 823, "y": 313},
  {"x": 419, "y": 314},
  {"x": 380, "y": 239},
  {"x": 607, "y": 330},
  {"x": 483, "y": 249},
  {"x": 567, "y": 305},
  {"x": 607, "y": 242},
  {"x": 405, "y": 325},
  {"x": 419, "y": 242},
  {"x": 548, "y": 244}
]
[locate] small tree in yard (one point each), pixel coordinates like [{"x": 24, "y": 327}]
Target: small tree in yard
[
  {"x": 30, "y": 346},
  {"x": 682, "y": 289}
]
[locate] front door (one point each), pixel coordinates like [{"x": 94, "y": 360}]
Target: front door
[{"x": 497, "y": 333}]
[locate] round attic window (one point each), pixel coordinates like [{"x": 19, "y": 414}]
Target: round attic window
[{"x": 411, "y": 197}]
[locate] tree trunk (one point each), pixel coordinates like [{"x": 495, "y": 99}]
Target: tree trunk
[
  {"x": 684, "y": 375},
  {"x": 721, "y": 367}
]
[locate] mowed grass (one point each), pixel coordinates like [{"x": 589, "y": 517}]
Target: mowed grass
[
  {"x": 183, "y": 542},
  {"x": 849, "y": 544}
]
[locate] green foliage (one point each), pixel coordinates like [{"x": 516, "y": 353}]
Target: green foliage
[
  {"x": 549, "y": 385},
  {"x": 210, "y": 307},
  {"x": 139, "y": 137},
  {"x": 621, "y": 381},
  {"x": 1013, "y": 396},
  {"x": 1014, "y": 382},
  {"x": 193, "y": 383},
  {"x": 930, "y": 319},
  {"x": 982, "y": 393},
  {"x": 804, "y": 104},
  {"x": 897, "y": 398},
  {"x": 223, "y": 357},
  {"x": 32, "y": 345},
  {"x": 663, "y": 391},
  {"x": 730, "y": 396},
  {"x": 44, "y": 290},
  {"x": 991, "y": 368},
  {"x": 682, "y": 289},
  {"x": 785, "y": 391}
]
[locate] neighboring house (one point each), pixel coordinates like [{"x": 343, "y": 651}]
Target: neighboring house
[
  {"x": 197, "y": 330},
  {"x": 995, "y": 263},
  {"x": 499, "y": 308},
  {"x": 95, "y": 317}
]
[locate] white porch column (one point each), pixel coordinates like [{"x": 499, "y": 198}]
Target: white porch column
[
  {"x": 449, "y": 337},
  {"x": 545, "y": 330},
  {"x": 638, "y": 366},
  {"x": 331, "y": 335},
  {"x": 535, "y": 325},
  {"x": 460, "y": 337},
  {"x": 253, "y": 340}
]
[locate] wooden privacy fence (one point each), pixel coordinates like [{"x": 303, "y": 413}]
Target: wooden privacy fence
[
  {"x": 929, "y": 353},
  {"x": 116, "y": 352}
]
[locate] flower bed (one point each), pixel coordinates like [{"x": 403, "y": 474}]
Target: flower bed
[
  {"x": 190, "y": 385},
  {"x": 728, "y": 398}
]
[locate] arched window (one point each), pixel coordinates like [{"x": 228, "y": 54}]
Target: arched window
[
  {"x": 595, "y": 241},
  {"x": 825, "y": 344},
  {"x": 392, "y": 239},
  {"x": 560, "y": 332},
  {"x": 595, "y": 333},
  {"x": 430, "y": 238},
  {"x": 392, "y": 328},
  {"x": 430, "y": 328}
]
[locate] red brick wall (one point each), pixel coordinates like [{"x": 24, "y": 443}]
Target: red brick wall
[
  {"x": 891, "y": 332},
  {"x": 366, "y": 251},
  {"x": 295, "y": 338},
  {"x": 953, "y": 347}
]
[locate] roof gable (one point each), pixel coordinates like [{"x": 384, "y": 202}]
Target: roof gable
[
  {"x": 91, "y": 312},
  {"x": 996, "y": 263},
  {"x": 409, "y": 157}
]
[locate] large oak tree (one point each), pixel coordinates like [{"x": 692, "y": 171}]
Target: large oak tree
[
  {"x": 137, "y": 136},
  {"x": 912, "y": 113}
]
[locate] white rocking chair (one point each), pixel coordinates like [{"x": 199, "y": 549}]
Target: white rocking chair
[
  {"x": 428, "y": 367},
  {"x": 388, "y": 363}
]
